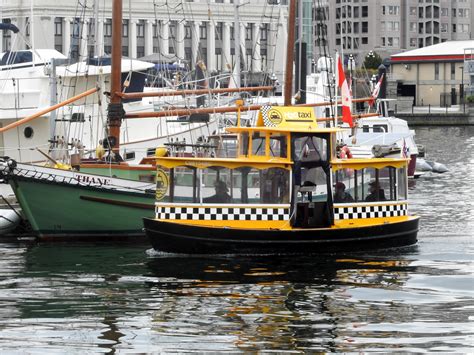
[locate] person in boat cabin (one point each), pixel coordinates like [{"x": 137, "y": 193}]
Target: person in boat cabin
[
  {"x": 221, "y": 195},
  {"x": 340, "y": 194},
  {"x": 376, "y": 193}
]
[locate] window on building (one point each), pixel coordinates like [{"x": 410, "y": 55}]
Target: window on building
[
  {"x": 365, "y": 27},
  {"x": 365, "y": 11},
  {"x": 187, "y": 31},
  {"x": 444, "y": 11},
  {"x": 413, "y": 26},
  {"x": 453, "y": 71},
  {"x": 356, "y": 27},
  {"x": 248, "y": 33},
  {"x": 107, "y": 28},
  {"x": 141, "y": 29},
  {"x": 356, "y": 12},
  {"x": 203, "y": 31},
  {"x": 365, "y": 40},
  {"x": 58, "y": 26},
  {"x": 436, "y": 71},
  {"x": 218, "y": 29},
  {"x": 412, "y": 42},
  {"x": 125, "y": 29}
]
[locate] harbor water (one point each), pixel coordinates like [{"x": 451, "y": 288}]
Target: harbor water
[{"x": 99, "y": 298}]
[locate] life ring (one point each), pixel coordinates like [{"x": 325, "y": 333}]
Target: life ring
[{"x": 345, "y": 153}]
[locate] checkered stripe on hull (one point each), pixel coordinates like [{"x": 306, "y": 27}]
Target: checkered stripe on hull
[
  {"x": 373, "y": 211},
  {"x": 222, "y": 213}
]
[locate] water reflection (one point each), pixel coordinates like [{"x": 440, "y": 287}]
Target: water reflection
[{"x": 271, "y": 303}]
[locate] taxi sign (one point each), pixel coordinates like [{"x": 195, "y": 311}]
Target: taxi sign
[{"x": 286, "y": 116}]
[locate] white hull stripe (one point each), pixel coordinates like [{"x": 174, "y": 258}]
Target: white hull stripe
[
  {"x": 222, "y": 213},
  {"x": 373, "y": 211}
]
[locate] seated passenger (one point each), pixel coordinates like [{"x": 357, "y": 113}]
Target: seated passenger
[
  {"x": 221, "y": 195},
  {"x": 375, "y": 193},
  {"x": 340, "y": 194}
]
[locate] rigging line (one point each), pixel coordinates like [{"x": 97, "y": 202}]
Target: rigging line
[{"x": 323, "y": 33}]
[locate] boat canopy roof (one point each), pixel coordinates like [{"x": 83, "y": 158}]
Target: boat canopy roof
[
  {"x": 230, "y": 163},
  {"x": 377, "y": 163}
]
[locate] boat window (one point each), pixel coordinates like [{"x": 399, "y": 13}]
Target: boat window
[
  {"x": 310, "y": 149},
  {"x": 275, "y": 187},
  {"x": 278, "y": 145},
  {"x": 245, "y": 185},
  {"x": 369, "y": 185},
  {"x": 224, "y": 147},
  {"x": 244, "y": 144},
  {"x": 183, "y": 184},
  {"x": 258, "y": 144},
  {"x": 380, "y": 128},
  {"x": 216, "y": 185},
  {"x": 17, "y": 57},
  {"x": 28, "y": 132},
  {"x": 402, "y": 184}
]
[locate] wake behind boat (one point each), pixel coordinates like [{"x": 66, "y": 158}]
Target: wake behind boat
[{"x": 278, "y": 194}]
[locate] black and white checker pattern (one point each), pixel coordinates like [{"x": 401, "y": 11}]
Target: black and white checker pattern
[
  {"x": 372, "y": 211},
  {"x": 266, "y": 120},
  {"x": 222, "y": 213}
]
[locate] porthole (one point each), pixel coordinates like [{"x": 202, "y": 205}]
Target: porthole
[{"x": 28, "y": 132}]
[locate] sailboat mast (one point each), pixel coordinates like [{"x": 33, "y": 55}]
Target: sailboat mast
[
  {"x": 290, "y": 54},
  {"x": 237, "y": 46},
  {"x": 116, "y": 112}
]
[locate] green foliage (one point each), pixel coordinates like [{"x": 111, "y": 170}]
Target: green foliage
[
  {"x": 470, "y": 99},
  {"x": 372, "y": 60}
]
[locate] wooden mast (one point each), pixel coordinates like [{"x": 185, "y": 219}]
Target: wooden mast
[
  {"x": 290, "y": 54},
  {"x": 115, "y": 109}
]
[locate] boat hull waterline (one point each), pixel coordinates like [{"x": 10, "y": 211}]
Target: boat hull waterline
[{"x": 190, "y": 239}]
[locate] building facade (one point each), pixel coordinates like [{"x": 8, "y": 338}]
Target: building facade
[
  {"x": 389, "y": 26},
  {"x": 437, "y": 75},
  {"x": 173, "y": 30}
]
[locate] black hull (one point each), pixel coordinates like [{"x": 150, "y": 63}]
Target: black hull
[{"x": 186, "y": 239}]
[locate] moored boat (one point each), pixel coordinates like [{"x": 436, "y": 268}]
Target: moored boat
[
  {"x": 71, "y": 205},
  {"x": 278, "y": 194}
]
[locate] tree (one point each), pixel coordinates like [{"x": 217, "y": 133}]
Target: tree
[{"x": 372, "y": 60}]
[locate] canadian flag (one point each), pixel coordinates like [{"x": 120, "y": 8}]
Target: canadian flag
[
  {"x": 345, "y": 93},
  {"x": 376, "y": 91}
]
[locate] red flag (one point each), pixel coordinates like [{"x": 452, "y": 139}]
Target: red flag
[
  {"x": 376, "y": 91},
  {"x": 345, "y": 94}
]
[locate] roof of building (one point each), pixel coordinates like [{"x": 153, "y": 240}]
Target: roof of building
[{"x": 446, "y": 51}]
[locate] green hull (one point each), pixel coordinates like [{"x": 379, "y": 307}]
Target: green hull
[{"x": 63, "y": 210}]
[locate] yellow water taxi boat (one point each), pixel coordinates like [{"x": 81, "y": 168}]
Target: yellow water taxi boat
[{"x": 284, "y": 191}]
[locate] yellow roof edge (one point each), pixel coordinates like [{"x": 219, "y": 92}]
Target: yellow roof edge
[{"x": 284, "y": 129}]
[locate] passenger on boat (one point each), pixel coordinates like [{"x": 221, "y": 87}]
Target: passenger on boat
[
  {"x": 340, "y": 194},
  {"x": 221, "y": 195},
  {"x": 375, "y": 192}
]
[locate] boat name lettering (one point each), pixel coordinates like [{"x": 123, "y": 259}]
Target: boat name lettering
[
  {"x": 93, "y": 180},
  {"x": 296, "y": 115}
]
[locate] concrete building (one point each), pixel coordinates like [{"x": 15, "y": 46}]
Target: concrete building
[
  {"x": 174, "y": 30},
  {"x": 437, "y": 75},
  {"x": 389, "y": 26}
]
